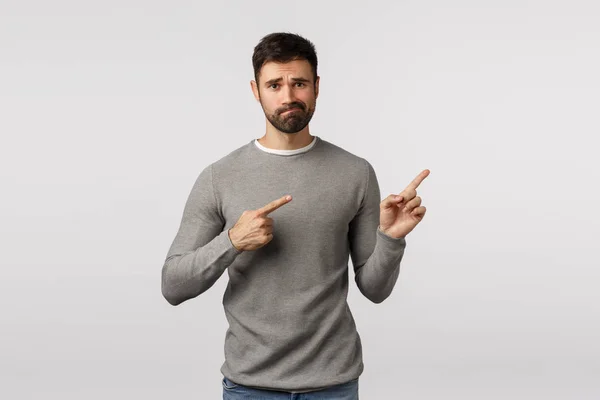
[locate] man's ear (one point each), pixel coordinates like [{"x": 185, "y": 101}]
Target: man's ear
[
  {"x": 317, "y": 86},
  {"x": 254, "y": 88}
]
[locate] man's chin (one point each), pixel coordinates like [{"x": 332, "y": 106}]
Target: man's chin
[{"x": 289, "y": 132}]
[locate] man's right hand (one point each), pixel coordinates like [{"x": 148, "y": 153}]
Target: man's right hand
[{"x": 254, "y": 229}]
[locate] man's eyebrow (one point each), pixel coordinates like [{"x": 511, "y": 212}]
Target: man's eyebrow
[{"x": 275, "y": 80}]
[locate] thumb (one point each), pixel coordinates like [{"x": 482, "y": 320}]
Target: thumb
[{"x": 391, "y": 200}]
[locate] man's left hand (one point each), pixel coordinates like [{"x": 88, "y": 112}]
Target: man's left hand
[{"x": 399, "y": 214}]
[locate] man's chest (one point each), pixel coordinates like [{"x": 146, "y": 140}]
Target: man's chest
[{"x": 322, "y": 201}]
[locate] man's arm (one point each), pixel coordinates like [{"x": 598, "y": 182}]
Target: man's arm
[
  {"x": 201, "y": 250},
  {"x": 376, "y": 256}
]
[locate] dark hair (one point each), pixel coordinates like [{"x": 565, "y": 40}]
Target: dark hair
[{"x": 283, "y": 47}]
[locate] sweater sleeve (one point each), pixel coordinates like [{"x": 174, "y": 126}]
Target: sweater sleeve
[
  {"x": 375, "y": 255},
  {"x": 201, "y": 250}
]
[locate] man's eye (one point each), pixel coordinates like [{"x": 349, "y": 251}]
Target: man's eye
[
  {"x": 299, "y": 83},
  {"x": 274, "y": 84}
]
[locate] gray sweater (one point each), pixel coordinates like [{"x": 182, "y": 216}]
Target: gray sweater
[{"x": 290, "y": 327}]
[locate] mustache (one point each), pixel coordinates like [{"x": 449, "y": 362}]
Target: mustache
[{"x": 292, "y": 106}]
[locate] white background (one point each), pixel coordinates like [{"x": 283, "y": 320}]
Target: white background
[{"x": 109, "y": 110}]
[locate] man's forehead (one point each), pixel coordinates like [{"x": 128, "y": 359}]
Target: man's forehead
[{"x": 296, "y": 68}]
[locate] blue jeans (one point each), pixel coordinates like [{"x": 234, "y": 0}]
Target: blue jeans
[{"x": 344, "y": 391}]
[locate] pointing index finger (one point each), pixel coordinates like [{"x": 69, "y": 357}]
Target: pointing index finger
[
  {"x": 274, "y": 205},
  {"x": 417, "y": 181}
]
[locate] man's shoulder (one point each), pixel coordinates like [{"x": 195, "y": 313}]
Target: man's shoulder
[
  {"x": 233, "y": 156},
  {"x": 224, "y": 162},
  {"x": 344, "y": 156}
]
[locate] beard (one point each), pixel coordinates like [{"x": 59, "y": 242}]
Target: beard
[{"x": 292, "y": 122}]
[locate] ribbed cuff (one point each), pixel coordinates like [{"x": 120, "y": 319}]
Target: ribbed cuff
[
  {"x": 401, "y": 241},
  {"x": 227, "y": 241}
]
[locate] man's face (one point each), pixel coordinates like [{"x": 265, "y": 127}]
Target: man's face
[{"x": 287, "y": 93}]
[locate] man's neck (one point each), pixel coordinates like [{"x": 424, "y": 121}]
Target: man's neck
[{"x": 286, "y": 141}]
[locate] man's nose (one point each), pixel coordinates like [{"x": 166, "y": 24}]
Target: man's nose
[{"x": 287, "y": 94}]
